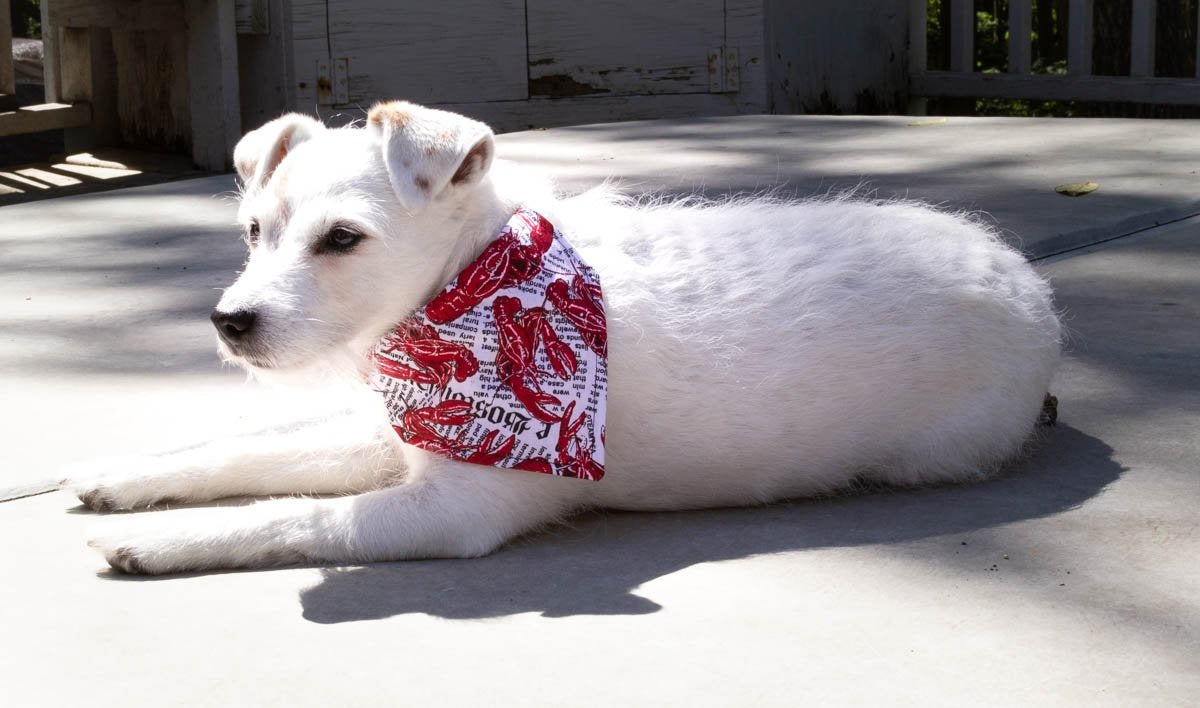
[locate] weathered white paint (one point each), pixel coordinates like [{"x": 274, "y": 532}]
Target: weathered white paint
[
  {"x": 621, "y": 63},
  {"x": 152, "y": 96},
  {"x": 836, "y": 57},
  {"x": 745, "y": 32},
  {"x": 454, "y": 50},
  {"x": 622, "y": 47},
  {"x": 732, "y": 82}
]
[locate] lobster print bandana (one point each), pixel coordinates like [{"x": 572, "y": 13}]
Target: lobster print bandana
[{"x": 507, "y": 366}]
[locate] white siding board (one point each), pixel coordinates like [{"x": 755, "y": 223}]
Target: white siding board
[
  {"x": 622, "y": 47},
  {"x": 454, "y": 50}
]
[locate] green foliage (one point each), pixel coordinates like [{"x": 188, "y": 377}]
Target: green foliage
[
  {"x": 991, "y": 53},
  {"x": 26, "y": 18}
]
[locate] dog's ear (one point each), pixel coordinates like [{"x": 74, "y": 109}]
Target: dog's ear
[
  {"x": 261, "y": 150},
  {"x": 428, "y": 152}
]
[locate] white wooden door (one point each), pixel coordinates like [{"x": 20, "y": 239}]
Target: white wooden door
[{"x": 428, "y": 52}]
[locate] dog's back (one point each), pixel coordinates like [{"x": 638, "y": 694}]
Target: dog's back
[{"x": 763, "y": 349}]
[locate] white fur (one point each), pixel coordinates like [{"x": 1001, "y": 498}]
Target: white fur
[{"x": 759, "y": 350}]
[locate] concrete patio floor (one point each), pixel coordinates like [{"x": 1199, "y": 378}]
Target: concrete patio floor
[{"x": 1070, "y": 579}]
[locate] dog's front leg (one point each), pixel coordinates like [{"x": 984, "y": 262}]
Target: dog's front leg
[
  {"x": 444, "y": 509},
  {"x": 344, "y": 454}
]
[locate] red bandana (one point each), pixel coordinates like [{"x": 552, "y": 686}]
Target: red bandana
[{"x": 507, "y": 366}]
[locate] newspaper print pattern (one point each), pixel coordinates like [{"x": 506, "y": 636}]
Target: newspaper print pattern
[{"x": 507, "y": 366}]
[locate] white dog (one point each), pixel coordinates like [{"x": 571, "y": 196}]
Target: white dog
[{"x": 758, "y": 351}]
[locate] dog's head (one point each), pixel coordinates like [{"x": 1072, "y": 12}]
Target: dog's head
[{"x": 349, "y": 230}]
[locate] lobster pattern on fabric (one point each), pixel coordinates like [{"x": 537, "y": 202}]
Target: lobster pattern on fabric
[{"x": 507, "y": 365}]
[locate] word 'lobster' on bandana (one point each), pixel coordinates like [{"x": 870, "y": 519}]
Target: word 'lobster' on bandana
[{"x": 507, "y": 366}]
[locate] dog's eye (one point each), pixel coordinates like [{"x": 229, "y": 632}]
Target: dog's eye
[
  {"x": 339, "y": 240},
  {"x": 252, "y": 234}
]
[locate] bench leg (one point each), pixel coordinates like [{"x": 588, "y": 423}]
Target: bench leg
[{"x": 87, "y": 74}]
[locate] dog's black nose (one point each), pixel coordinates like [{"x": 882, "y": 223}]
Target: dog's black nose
[{"x": 234, "y": 326}]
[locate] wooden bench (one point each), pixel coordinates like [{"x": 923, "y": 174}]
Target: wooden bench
[{"x": 137, "y": 72}]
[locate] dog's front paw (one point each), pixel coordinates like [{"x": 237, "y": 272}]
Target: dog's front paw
[
  {"x": 112, "y": 495},
  {"x": 117, "y": 484},
  {"x": 256, "y": 536},
  {"x": 126, "y": 560},
  {"x": 146, "y": 549},
  {"x": 96, "y": 498},
  {"x": 123, "y": 553}
]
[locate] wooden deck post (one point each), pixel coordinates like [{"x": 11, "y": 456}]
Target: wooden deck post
[
  {"x": 213, "y": 82},
  {"x": 50, "y": 80}
]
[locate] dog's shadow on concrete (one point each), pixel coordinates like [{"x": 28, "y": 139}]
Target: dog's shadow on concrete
[{"x": 594, "y": 564}]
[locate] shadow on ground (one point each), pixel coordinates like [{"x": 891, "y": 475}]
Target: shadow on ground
[{"x": 594, "y": 565}]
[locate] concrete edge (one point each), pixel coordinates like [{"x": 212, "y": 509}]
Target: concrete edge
[
  {"x": 27, "y": 490},
  {"x": 1083, "y": 238}
]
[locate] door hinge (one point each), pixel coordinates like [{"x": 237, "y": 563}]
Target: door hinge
[
  {"x": 333, "y": 88},
  {"x": 723, "y": 74}
]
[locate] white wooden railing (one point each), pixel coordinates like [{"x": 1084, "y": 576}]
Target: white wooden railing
[{"x": 1078, "y": 84}]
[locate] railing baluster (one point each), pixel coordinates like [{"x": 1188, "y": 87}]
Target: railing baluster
[
  {"x": 1020, "y": 36},
  {"x": 918, "y": 23},
  {"x": 962, "y": 35},
  {"x": 1141, "y": 45},
  {"x": 962, "y": 81},
  {"x": 1079, "y": 38}
]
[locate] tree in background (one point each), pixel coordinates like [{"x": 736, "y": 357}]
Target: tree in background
[{"x": 26, "y": 18}]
